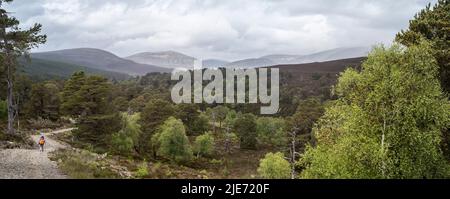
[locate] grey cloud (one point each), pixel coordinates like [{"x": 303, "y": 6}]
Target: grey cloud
[{"x": 230, "y": 29}]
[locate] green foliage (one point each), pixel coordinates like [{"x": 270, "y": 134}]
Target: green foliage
[
  {"x": 308, "y": 112},
  {"x": 69, "y": 95},
  {"x": 218, "y": 114},
  {"x": 173, "y": 142},
  {"x": 83, "y": 164},
  {"x": 230, "y": 119},
  {"x": 88, "y": 99},
  {"x": 245, "y": 127},
  {"x": 387, "y": 122},
  {"x": 271, "y": 131},
  {"x": 154, "y": 114},
  {"x": 97, "y": 129},
  {"x": 142, "y": 170},
  {"x": 204, "y": 145},
  {"x": 16, "y": 42},
  {"x": 200, "y": 124},
  {"x": 433, "y": 25},
  {"x": 3, "y": 110},
  {"x": 43, "y": 69},
  {"x": 125, "y": 141},
  {"x": 191, "y": 118},
  {"x": 121, "y": 143},
  {"x": 274, "y": 166},
  {"x": 120, "y": 103},
  {"x": 44, "y": 101}
]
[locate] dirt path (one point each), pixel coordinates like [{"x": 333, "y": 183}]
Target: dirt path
[{"x": 31, "y": 164}]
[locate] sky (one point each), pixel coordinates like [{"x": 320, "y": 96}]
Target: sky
[{"x": 231, "y": 29}]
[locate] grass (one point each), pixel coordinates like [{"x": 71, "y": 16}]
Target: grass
[{"x": 82, "y": 164}]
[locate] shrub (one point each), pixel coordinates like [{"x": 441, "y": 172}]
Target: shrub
[
  {"x": 271, "y": 131},
  {"x": 124, "y": 141},
  {"x": 142, "y": 170},
  {"x": 173, "y": 142},
  {"x": 204, "y": 145},
  {"x": 274, "y": 166},
  {"x": 245, "y": 126}
]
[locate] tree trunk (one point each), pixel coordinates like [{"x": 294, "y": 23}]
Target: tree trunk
[
  {"x": 10, "y": 97},
  {"x": 293, "y": 153}
]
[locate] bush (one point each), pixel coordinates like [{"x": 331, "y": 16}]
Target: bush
[
  {"x": 204, "y": 145},
  {"x": 271, "y": 131},
  {"x": 40, "y": 123},
  {"x": 173, "y": 142},
  {"x": 125, "y": 141},
  {"x": 274, "y": 166},
  {"x": 82, "y": 165},
  {"x": 121, "y": 143},
  {"x": 142, "y": 170},
  {"x": 245, "y": 126}
]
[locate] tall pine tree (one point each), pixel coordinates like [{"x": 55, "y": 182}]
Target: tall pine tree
[{"x": 14, "y": 42}]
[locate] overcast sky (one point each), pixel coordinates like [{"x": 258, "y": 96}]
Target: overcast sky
[{"x": 226, "y": 29}]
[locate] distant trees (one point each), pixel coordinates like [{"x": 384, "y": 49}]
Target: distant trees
[
  {"x": 274, "y": 166},
  {"x": 245, "y": 127},
  {"x": 14, "y": 43},
  {"x": 172, "y": 141},
  {"x": 387, "y": 122}
]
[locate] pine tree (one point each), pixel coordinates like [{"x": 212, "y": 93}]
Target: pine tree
[
  {"x": 14, "y": 43},
  {"x": 432, "y": 24}
]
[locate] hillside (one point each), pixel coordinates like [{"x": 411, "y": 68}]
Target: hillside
[
  {"x": 97, "y": 59},
  {"x": 166, "y": 59},
  {"x": 214, "y": 63},
  {"x": 46, "y": 69},
  {"x": 335, "y": 66},
  {"x": 323, "y": 56}
]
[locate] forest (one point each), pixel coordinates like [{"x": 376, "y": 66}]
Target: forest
[{"x": 385, "y": 116}]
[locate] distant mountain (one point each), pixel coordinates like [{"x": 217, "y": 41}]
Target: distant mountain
[
  {"x": 334, "y": 54},
  {"x": 214, "y": 63},
  {"x": 280, "y": 59},
  {"x": 46, "y": 69},
  {"x": 97, "y": 59},
  {"x": 329, "y": 55},
  {"x": 166, "y": 59},
  {"x": 251, "y": 63}
]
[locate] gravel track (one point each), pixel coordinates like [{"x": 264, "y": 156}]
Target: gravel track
[{"x": 31, "y": 164}]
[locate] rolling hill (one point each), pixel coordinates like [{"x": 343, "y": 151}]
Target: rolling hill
[
  {"x": 166, "y": 59},
  {"x": 97, "y": 59},
  {"x": 46, "y": 69},
  {"x": 328, "y": 55}
]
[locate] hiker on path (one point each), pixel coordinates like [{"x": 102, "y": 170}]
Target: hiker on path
[{"x": 41, "y": 143}]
